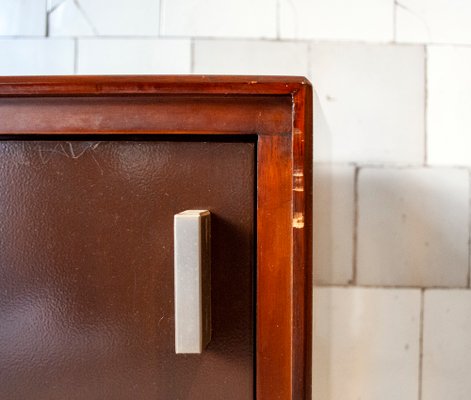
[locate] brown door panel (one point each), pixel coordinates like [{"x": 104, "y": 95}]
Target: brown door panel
[{"x": 86, "y": 269}]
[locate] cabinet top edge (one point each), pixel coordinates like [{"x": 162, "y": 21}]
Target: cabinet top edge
[{"x": 150, "y": 84}]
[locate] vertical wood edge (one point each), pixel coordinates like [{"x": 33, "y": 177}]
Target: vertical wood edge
[
  {"x": 274, "y": 262},
  {"x": 302, "y": 244}
]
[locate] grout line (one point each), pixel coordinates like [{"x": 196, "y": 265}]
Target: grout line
[
  {"x": 251, "y": 39},
  {"x": 425, "y": 104},
  {"x": 355, "y": 226},
  {"x": 192, "y": 56},
  {"x": 394, "y": 21},
  {"x": 117, "y": 37},
  {"x": 410, "y": 166},
  {"x": 56, "y": 6},
  {"x": 309, "y": 61},
  {"x": 421, "y": 342},
  {"x": 391, "y": 287},
  {"x": 161, "y": 11},
  {"x": 469, "y": 231},
  {"x": 86, "y": 17},
  {"x": 46, "y": 30},
  {"x": 76, "y": 55},
  {"x": 278, "y": 22}
]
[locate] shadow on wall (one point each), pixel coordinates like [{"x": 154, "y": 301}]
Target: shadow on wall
[
  {"x": 387, "y": 225},
  {"x": 391, "y": 226},
  {"x": 392, "y": 229},
  {"x": 333, "y": 191}
]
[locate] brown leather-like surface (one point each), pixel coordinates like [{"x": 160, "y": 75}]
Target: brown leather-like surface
[{"x": 86, "y": 269}]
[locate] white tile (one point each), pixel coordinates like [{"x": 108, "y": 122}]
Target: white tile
[
  {"x": 51, "y": 4},
  {"x": 250, "y": 57},
  {"x": 23, "y": 17},
  {"x": 323, "y": 134},
  {"x": 369, "y": 20},
  {"x": 215, "y": 18},
  {"x": 449, "y": 102},
  {"x": 333, "y": 223},
  {"x": 36, "y": 56},
  {"x": 433, "y": 21},
  {"x": 67, "y": 19},
  {"x": 366, "y": 344},
  {"x": 413, "y": 227},
  {"x": 133, "y": 56},
  {"x": 447, "y": 345},
  {"x": 104, "y": 18},
  {"x": 372, "y": 97}
]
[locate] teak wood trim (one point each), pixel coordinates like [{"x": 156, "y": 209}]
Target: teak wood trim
[{"x": 278, "y": 110}]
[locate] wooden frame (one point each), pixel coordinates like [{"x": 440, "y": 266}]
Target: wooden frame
[{"x": 278, "y": 110}]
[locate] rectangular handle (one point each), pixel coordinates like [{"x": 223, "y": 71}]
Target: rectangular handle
[{"x": 192, "y": 232}]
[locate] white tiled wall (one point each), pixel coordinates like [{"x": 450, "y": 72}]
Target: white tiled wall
[
  {"x": 23, "y": 18},
  {"x": 366, "y": 344},
  {"x": 133, "y": 56},
  {"x": 38, "y": 56},
  {"x": 337, "y": 19},
  {"x": 104, "y": 18},
  {"x": 433, "y": 21},
  {"x": 392, "y": 155},
  {"x": 447, "y": 345},
  {"x": 334, "y": 213},
  {"x": 373, "y": 99},
  {"x": 413, "y": 227},
  {"x": 216, "y": 18},
  {"x": 267, "y": 57},
  {"x": 449, "y": 102}
]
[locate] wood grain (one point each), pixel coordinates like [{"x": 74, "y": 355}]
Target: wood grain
[{"x": 277, "y": 111}]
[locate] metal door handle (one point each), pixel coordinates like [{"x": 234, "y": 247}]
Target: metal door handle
[{"x": 192, "y": 232}]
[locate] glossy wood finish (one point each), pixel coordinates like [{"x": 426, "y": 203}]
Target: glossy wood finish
[{"x": 277, "y": 111}]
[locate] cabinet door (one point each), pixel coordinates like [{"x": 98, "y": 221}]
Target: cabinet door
[{"x": 86, "y": 269}]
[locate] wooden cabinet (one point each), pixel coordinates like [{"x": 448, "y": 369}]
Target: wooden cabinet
[{"x": 92, "y": 172}]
